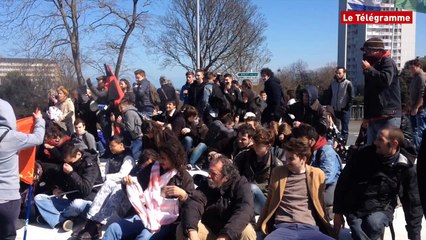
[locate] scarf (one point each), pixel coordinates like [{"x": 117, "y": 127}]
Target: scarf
[{"x": 153, "y": 209}]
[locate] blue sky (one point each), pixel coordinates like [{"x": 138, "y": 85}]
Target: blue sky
[
  {"x": 297, "y": 30},
  {"x": 301, "y": 30}
]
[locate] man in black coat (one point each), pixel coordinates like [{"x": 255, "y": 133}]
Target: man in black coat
[
  {"x": 276, "y": 100},
  {"x": 224, "y": 205},
  {"x": 80, "y": 173},
  {"x": 367, "y": 189}
]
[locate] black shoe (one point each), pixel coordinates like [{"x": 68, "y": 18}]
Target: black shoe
[
  {"x": 40, "y": 220},
  {"x": 92, "y": 230}
]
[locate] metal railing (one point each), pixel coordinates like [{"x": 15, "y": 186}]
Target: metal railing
[{"x": 357, "y": 112}]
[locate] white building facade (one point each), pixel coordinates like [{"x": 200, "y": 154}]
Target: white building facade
[
  {"x": 32, "y": 68},
  {"x": 399, "y": 39}
]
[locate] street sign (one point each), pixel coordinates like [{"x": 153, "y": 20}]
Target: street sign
[{"x": 254, "y": 77}]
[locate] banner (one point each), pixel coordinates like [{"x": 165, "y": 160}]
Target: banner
[
  {"x": 415, "y": 5},
  {"x": 26, "y": 156},
  {"x": 364, "y": 5}
]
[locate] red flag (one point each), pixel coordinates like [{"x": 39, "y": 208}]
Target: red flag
[
  {"x": 26, "y": 156},
  {"x": 114, "y": 91}
]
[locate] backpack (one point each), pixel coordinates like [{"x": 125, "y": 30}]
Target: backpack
[
  {"x": 217, "y": 100},
  {"x": 154, "y": 97}
]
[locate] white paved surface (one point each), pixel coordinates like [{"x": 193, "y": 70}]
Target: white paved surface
[{"x": 37, "y": 232}]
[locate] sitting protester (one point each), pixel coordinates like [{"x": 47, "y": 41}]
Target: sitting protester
[
  {"x": 221, "y": 208},
  {"x": 294, "y": 208},
  {"x": 85, "y": 139},
  {"x": 80, "y": 173},
  {"x": 157, "y": 195}
]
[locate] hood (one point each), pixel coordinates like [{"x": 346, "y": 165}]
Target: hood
[
  {"x": 7, "y": 115},
  {"x": 312, "y": 93}
]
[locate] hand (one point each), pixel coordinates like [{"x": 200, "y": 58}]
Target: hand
[
  {"x": 127, "y": 180},
  {"x": 67, "y": 168},
  {"x": 37, "y": 114},
  {"x": 185, "y": 131},
  {"x": 48, "y": 146},
  {"x": 414, "y": 111},
  {"x": 339, "y": 223},
  {"x": 193, "y": 235},
  {"x": 175, "y": 191},
  {"x": 296, "y": 124},
  {"x": 365, "y": 65},
  {"x": 223, "y": 237},
  {"x": 214, "y": 154},
  {"x": 185, "y": 92}
]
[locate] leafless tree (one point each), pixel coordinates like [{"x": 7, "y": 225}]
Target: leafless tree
[
  {"x": 231, "y": 33},
  {"x": 114, "y": 16}
]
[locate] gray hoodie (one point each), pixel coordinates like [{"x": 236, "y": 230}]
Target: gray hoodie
[{"x": 12, "y": 142}]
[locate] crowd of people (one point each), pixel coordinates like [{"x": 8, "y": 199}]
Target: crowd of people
[{"x": 274, "y": 154}]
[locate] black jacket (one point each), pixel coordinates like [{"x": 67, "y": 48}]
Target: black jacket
[
  {"x": 275, "y": 101},
  {"x": 195, "y": 95},
  {"x": 85, "y": 175},
  {"x": 370, "y": 183},
  {"x": 421, "y": 172},
  {"x": 382, "y": 92},
  {"x": 225, "y": 211}
]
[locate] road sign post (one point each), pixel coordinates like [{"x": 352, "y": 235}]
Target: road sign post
[{"x": 252, "y": 76}]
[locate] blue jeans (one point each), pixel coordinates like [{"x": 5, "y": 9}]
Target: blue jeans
[
  {"x": 374, "y": 127},
  {"x": 368, "y": 227},
  {"x": 418, "y": 123},
  {"x": 344, "y": 117},
  {"x": 187, "y": 142},
  {"x": 136, "y": 148},
  {"x": 259, "y": 198},
  {"x": 197, "y": 152},
  {"x": 296, "y": 231},
  {"x": 57, "y": 210},
  {"x": 133, "y": 228}
]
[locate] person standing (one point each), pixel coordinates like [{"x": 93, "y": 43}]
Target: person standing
[
  {"x": 341, "y": 99},
  {"x": 275, "y": 101},
  {"x": 142, "y": 94},
  {"x": 382, "y": 92},
  {"x": 184, "y": 92},
  {"x": 417, "y": 89},
  {"x": 11, "y": 141}
]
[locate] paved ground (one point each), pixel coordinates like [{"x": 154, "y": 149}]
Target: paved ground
[{"x": 38, "y": 232}]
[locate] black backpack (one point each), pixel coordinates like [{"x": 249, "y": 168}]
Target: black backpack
[{"x": 217, "y": 99}]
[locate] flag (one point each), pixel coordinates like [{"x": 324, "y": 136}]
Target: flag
[
  {"x": 364, "y": 5},
  {"x": 415, "y": 5},
  {"x": 26, "y": 156},
  {"x": 114, "y": 91}
]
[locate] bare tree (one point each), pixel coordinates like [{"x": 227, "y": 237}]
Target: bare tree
[
  {"x": 48, "y": 25},
  {"x": 113, "y": 17},
  {"x": 231, "y": 33}
]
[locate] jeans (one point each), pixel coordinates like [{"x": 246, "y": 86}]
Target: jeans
[
  {"x": 259, "y": 198},
  {"x": 344, "y": 117},
  {"x": 136, "y": 148},
  {"x": 418, "y": 123},
  {"x": 9, "y": 212},
  {"x": 133, "y": 228},
  {"x": 296, "y": 231},
  {"x": 57, "y": 210},
  {"x": 187, "y": 144},
  {"x": 375, "y": 127},
  {"x": 197, "y": 152},
  {"x": 368, "y": 227}
]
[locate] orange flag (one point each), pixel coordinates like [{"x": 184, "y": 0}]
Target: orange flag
[{"x": 26, "y": 156}]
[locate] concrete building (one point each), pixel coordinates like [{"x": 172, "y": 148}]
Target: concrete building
[
  {"x": 400, "y": 39},
  {"x": 35, "y": 69}
]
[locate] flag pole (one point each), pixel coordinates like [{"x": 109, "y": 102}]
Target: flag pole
[{"x": 27, "y": 217}]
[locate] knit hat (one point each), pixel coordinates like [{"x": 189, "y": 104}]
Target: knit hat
[{"x": 373, "y": 44}]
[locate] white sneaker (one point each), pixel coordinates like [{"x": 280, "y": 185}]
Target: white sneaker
[{"x": 67, "y": 225}]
